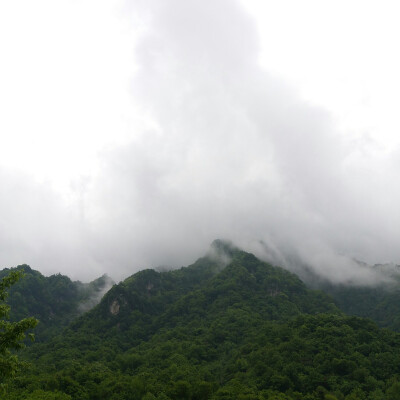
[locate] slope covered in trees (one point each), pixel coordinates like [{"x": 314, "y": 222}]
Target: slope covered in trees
[
  {"x": 227, "y": 327},
  {"x": 380, "y": 303},
  {"x": 55, "y": 300},
  {"x": 12, "y": 334},
  {"x": 378, "y": 300}
]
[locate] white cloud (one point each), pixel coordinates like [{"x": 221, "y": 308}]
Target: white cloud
[{"x": 186, "y": 139}]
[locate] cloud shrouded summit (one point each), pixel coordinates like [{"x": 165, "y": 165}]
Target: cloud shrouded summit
[{"x": 229, "y": 151}]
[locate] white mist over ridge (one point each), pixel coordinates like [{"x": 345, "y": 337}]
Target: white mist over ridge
[
  {"x": 327, "y": 266},
  {"x": 103, "y": 285},
  {"x": 212, "y": 145}
]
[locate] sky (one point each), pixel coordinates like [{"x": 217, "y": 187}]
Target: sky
[{"x": 134, "y": 133}]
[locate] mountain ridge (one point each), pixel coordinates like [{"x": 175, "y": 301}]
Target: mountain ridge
[
  {"x": 54, "y": 300},
  {"x": 225, "y": 327}
]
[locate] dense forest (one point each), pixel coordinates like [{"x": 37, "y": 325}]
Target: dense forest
[
  {"x": 55, "y": 300},
  {"x": 380, "y": 302},
  {"x": 228, "y": 326}
]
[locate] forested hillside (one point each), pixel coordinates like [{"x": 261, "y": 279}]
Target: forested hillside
[
  {"x": 227, "y": 327},
  {"x": 55, "y": 300},
  {"x": 379, "y": 301}
]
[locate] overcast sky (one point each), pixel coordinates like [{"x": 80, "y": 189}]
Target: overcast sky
[{"x": 134, "y": 133}]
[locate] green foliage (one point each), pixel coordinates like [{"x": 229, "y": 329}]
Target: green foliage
[
  {"x": 41, "y": 395},
  {"x": 12, "y": 334},
  {"x": 55, "y": 300},
  {"x": 380, "y": 302},
  {"x": 227, "y": 327}
]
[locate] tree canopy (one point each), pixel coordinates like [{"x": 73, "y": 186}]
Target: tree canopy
[
  {"x": 12, "y": 334},
  {"x": 228, "y": 327}
]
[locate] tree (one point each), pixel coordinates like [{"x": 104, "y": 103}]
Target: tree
[
  {"x": 393, "y": 392},
  {"x": 12, "y": 334}
]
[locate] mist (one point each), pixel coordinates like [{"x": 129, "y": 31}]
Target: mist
[{"x": 228, "y": 150}]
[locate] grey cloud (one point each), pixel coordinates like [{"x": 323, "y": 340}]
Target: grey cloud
[
  {"x": 43, "y": 229},
  {"x": 234, "y": 153}
]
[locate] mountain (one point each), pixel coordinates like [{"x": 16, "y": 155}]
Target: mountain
[
  {"x": 378, "y": 299},
  {"x": 55, "y": 300},
  {"x": 380, "y": 302},
  {"x": 150, "y": 300},
  {"x": 228, "y": 326}
]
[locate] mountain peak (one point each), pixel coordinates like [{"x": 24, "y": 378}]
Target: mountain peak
[{"x": 224, "y": 247}]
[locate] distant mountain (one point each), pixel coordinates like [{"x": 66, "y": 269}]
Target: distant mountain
[
  {"x": 151, "y": 300},
  {"x": 227, "y": 327},
  {"x": 55, "y": 300},
  {"x": 380, "y": 302},
  {"x": 378, "y": 299}
]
